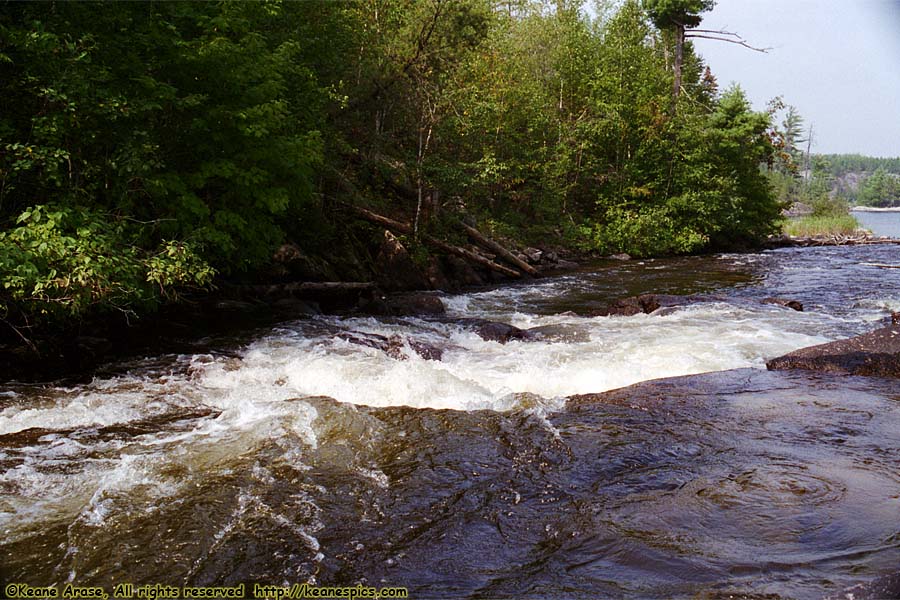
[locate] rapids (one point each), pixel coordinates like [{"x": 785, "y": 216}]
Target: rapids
[{"x": 289, "y": 454}]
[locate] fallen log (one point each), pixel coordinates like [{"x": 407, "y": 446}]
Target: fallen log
[
  {"x": 880, "y": 265},
  {"x": 448, "y": 248},
  {"x": 489, "y": 244}
]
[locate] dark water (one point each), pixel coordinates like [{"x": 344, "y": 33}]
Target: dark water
[{"x": 495, "y": 472}]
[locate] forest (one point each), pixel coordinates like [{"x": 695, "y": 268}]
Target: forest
[
  {"x": 861, "y": 180},
  {"x": 150, "y": 149}
]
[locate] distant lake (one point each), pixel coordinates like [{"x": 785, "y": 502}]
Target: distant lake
[{"x": 880, "y": 223}]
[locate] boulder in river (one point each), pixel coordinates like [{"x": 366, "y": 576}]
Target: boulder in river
[
  {"x": 393, "y": 345},
  {"x": 875, "y": 354},
  {"x": 793, "y": 304},
  {"x": 492, "y": 331},
  {"x": 645, "y": 303}
]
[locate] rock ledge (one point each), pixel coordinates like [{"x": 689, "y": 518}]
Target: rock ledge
[{"x": 875, "y": 354}]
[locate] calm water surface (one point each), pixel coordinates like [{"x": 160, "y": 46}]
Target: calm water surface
[
  {"x": 880, "y": 223},
  {"x": 519, "y": 470}
]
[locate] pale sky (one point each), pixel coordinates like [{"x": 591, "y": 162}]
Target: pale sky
[{"x": 837, "y": 61}]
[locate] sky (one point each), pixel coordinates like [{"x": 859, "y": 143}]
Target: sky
[{"x": 836, "y": 61}]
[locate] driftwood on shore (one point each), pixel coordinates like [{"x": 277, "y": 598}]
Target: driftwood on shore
[
  {"x": 828, "y": 240},
  {"x": 406, "y": 229}
]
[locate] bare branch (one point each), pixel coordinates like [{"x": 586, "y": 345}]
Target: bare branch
[
  {"x": 24, "y": 339},
  {"x": 716, "y": 31},
  {"x": 725, "y": 39}
]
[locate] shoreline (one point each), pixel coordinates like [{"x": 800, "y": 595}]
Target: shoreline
[
  {"x": 890, "y": 209},
  {"x": 95, "y": 344}
]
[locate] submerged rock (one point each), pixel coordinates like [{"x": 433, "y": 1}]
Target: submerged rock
[
  {"x": 887, "y": 586},
  {"x": 875, "y": 354},
  {"x": 393, "y": 346},
  {"x": 793, "y": 304},
  {"x": 491, "y": 331}
]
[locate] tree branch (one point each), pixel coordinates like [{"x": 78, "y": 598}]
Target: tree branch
[
  {"x": 718, "y": 32},
  {"x": 27, "y": 341},
  {"x": 739, "y": 42}
]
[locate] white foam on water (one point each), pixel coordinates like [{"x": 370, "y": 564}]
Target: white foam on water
[
  {"x": 102, "y": 403},
  {"x": 878, "y": 308},
  {"x": 84, "y": 473},
  {"x": 606, "y": 353},
  {"x": 82, "y": 477}
]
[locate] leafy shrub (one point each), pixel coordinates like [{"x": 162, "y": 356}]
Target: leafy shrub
[{"x": 62, "y": 262}]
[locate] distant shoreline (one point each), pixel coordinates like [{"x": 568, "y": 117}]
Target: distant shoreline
[{"x": 874, "y": 209}]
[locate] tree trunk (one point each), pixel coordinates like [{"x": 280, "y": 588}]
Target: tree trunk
[
  {"x": 419, "y": 159},
  {"x": 679, "y": 60}
]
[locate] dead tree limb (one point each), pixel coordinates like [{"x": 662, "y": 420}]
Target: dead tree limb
[
  {"x": 722, "y": 36},
  {"x": 448, "y": 248},
  {"x": 489, "y": 244}
]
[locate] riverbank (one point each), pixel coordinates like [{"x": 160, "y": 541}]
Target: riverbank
[
  {"x": 400, "y": 288},
  {"x": 296, "y": 289}
]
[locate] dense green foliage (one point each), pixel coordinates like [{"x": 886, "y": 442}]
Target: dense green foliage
[
  {"x": 822, "y": 185},
  {"x": 863, "y": 180},
  {"x": 684, "y": 13},
  {"x": 145, "y": 147},
  {"x": 882, "y": 189},
  {"x": 841, "y": 164}
]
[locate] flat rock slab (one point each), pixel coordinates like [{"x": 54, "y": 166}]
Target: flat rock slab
[{"x": 874, "y": 354}]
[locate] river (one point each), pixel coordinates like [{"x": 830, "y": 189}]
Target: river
[
  {"x": 530, "y": 469},
  {"x": 882, "y": 223}
]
